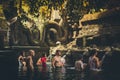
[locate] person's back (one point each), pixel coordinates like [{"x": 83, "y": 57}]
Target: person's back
[
  {"x": 94, "y": 62},
  {"x": 43, "y": 60},
  {"x": 79, "y": 65}
]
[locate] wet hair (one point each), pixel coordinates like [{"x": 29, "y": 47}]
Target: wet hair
[
  {"x": 93, "y": 52},
  {"x": 21, "y": 53},
  {"x": 43, "y": 54},
  {"x": 80, "y": 56},
  {"x": 31, "y": 52},
  {"x": 57, "y": 52}
]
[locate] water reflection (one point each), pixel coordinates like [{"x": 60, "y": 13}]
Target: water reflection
[
  {"x": 44, "y": 73},
  {"x": 95, "y": 75},
  {"x": 79, "y": 76},
  {"x": 59, "y": 73}
]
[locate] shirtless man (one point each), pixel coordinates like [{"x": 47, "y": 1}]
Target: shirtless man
[
  {"x": 30, "y": 60},
  {"x": 57, "y": 62},
  {"x": 79, "y": 65},
  {"x": 94, "y": 61}
]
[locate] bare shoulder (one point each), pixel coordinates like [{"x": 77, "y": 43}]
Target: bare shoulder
[{"x": 29, "y": 57}]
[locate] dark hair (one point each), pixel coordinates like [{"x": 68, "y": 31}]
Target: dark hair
[
  {"x": 80, "y": 56},
  {"x": 92, "y": 52},
  {"x": 21, "y": 53},
  {"x": 43, "y": 54},
  {"x": 57, "y": 52}
]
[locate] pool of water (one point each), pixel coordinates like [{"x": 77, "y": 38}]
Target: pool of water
[
  {"x": 9, "y": 71},
  {"x": 66, "y": 73}
]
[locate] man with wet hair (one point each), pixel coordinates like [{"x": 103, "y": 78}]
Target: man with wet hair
[
  {"x": 94, "y": 62},
  {"x": 57, "y": 62}
]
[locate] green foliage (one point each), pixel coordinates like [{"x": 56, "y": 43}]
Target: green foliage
[
  {"x": 77, "y": 8},
  {"x": 36, "y": 4}
]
